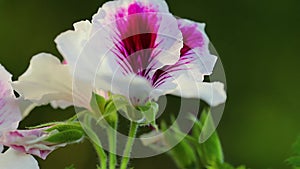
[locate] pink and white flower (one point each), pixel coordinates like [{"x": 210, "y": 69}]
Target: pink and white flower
[
  {"x": 135, "y": 48},
  {"x": 10, "y": 116},
  {"x": 138, "y": 49}
]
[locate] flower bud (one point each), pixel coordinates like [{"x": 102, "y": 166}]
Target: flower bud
[{"x": 42, "y": 141}]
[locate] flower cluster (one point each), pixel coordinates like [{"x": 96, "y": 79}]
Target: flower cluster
[{"x": 131, "y": 48}]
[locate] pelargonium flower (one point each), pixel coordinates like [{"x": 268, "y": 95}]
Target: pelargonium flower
[
  {"x": 10, "y": 115},
  {"x": 137, "y": 48}
]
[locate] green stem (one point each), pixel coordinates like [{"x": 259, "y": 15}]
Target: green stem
[
  {"x": 129, "y": 144},
  {"x": 112, "y": 139},
  {"x": 101, "y": 154},
  {"x": 96, "y": 143}
]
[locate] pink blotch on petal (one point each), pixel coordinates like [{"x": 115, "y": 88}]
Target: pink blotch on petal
[
  {"x": 34, "y": 151},
  {"x": 137, "y": 38},
  {"x": 15, "y": 134},
  {"x": 192, "y": 36},
  {"x": 193, "y": 39}
]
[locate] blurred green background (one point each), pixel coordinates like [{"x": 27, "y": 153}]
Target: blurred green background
[{"x": 258, "y": 42}]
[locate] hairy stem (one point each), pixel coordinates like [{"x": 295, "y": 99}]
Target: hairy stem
[
  {"x": 101, "y": 154},
  {"x": 112, "y": 139},
  {"x": 129, "y": 144}
]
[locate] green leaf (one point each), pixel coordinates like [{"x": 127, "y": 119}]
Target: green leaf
[
  {"x": 181, "y": 150},
  {"x": 191, "y": 153},
  {"x": 211, "y": 150},
  {"x": 67, "y": 136},
  {"x": 183, "y": 155}
]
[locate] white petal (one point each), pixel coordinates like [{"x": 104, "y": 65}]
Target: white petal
[
  {"x": 70, "y": 43},
  {"x": 136, "y": 88},
  {"x": 48, "y": 80},
  {"x": 213, "y": 93},
  {"x": 10, "y": 114},
  {"x": 12, "y": 159}
]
